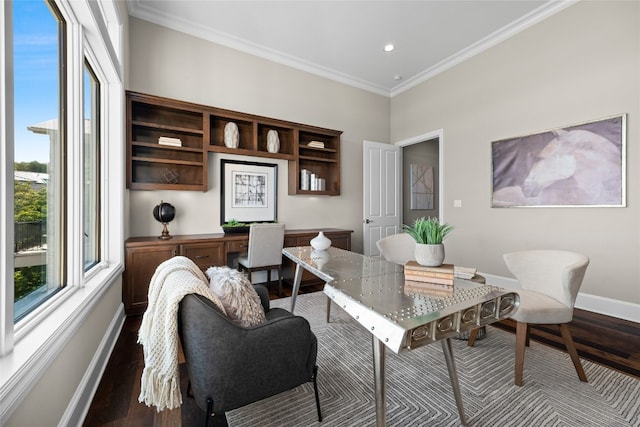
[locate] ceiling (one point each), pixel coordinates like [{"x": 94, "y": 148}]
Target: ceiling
[{"x": 344, "y": 40}]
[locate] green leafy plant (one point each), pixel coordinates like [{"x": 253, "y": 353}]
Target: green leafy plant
[
  {"x": 234, "y": 223},
  {"x": 428, "y": 231}
]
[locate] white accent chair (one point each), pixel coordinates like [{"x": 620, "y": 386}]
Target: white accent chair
[
  {"x": 264, "y": 251},
  {"x": 398, "y": 248},
  {"x": 550, "y": 281}
]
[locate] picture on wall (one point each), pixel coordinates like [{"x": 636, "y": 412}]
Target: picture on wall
[
  {"x": 575, "y": 166},
  {"x": 248, "y": 191},
  {"x": 421, "y": 187}
]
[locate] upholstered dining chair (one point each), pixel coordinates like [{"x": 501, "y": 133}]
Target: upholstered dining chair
[
  {"x": 550, "y": 281},
  {"x": 264, "y": 251},
  {"x": 230, "y": 366},
  {"x": 398, "y": 248}
]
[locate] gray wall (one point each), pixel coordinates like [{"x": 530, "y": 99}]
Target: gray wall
[
  {"x": 578, "y": 65},
  {"x": 172, "y": 64},
  {"x": 423, "y": 153}
]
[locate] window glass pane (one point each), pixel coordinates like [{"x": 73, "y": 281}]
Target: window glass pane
[
  {"x": 38, "y": 147},
  {"x": 91, "y": 169}
]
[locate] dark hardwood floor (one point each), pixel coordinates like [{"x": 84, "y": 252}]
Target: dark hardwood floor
[{"x": 602, "y": 339}]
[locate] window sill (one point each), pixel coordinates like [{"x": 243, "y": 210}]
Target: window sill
[{"x": 37, "y": 347}]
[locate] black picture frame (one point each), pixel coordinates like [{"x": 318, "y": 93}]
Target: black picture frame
[{"x": 248, "y": 191}]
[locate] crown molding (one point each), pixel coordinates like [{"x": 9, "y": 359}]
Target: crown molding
[{"x": 145, "y": 12}]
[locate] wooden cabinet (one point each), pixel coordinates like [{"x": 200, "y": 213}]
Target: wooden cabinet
[
  {"x": 140, "y": 264},
  {"x": 155, "y": 166},
  {"x": 205, "y": 254},
  {"x": 322, "y": 162},
  {"x": 200, "y": 129},
  {"x": 144, "y": 254}
]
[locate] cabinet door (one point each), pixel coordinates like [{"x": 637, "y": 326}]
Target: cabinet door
[
  {"x": 205, "y": 254},
  {"x": 141, "y": 263}
]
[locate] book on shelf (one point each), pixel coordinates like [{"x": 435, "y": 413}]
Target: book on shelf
[
  {"x": 166, "y": 140},
  {"x": 316, "y": 144},
  {"x": 429, "y": 289}
]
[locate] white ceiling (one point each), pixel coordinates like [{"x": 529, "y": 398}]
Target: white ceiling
[{"x": 344, "y": 40}]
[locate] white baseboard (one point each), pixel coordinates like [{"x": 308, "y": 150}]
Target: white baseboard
[
  {"x": 597, "y": 304},
  {"x": 79, "y": 405}
]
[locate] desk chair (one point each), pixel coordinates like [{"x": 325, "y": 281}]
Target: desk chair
[
  {"x": 398, "y": 248},
  {"x": 264, "y": 252},
  {"x": 550, "y": 281}
]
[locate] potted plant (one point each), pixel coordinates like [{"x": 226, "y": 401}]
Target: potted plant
[
  {"x": 429, "y": 234},
  {"x": 233, "y": 226}
]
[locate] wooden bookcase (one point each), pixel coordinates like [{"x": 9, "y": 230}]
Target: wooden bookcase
[{"x": 152, "y": 166}]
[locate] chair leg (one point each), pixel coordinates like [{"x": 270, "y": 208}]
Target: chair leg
[
  {"x": 315, "y": 389},
  {"x": 526, "y": 343},
  {"x": 219, "y": 420},
  {"x": 571, "y": 349},
  {"x": 521, "y": 338},
  {"x": 328, "y": 309},
  {"x": 279, "y": 280},
  {"x": 473, "y": 334}
]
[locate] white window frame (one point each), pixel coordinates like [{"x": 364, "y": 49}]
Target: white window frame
[{"x": 29, "y": 347}]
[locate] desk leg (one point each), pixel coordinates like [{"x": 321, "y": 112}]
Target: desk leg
[
  {"x": 453, "y": 377},
  {"x": 379, "y": 382},
  {"x": 297, "y": 278}
]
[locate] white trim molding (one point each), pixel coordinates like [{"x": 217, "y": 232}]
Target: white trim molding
[{"x": 594, "y": 303}]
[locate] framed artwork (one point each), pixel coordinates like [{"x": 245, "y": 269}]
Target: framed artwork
[
  {"x": 249, "y": 191},
  {"x": 421, "y": 187},
  {"x": 575, "y": 166}
]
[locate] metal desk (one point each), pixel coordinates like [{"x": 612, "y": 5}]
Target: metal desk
[{"x": 371, "y": 290}]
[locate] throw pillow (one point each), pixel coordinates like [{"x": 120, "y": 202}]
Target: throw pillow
[{"x": 239, "y": 298}]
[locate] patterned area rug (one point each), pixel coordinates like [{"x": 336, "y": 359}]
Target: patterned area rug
[{"x": 419, "y": 392}]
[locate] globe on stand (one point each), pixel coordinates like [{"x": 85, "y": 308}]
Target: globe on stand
[{"x": 164, "y": 213}]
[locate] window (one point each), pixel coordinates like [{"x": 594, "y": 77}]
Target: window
[
  {"x": 91, "y": 169},
  {"x": 62, "y": 168},
  {"x": 39, "y": 143}
]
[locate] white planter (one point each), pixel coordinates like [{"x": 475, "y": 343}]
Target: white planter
[{"x": 429, "y": 255}]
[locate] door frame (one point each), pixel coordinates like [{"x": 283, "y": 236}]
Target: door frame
[{"x": 439, "y": 134}]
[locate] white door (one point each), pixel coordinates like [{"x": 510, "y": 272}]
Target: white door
[{"x": 382, "y": 193}]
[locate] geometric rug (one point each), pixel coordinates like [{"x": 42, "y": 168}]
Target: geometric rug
[{"x": 419, "y": 392}]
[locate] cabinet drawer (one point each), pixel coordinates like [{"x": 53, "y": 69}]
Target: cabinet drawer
[
  {"x": 237, "y": 246},
  {"x": 205, "y": 255}
]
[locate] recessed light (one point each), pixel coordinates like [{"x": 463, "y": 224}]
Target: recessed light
[{"x": 389, "y": 47}]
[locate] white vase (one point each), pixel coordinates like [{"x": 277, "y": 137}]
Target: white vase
[
  {"x": 231, "y": 135},
  {"x": 273, "y": 141},
  {"x": 429, "y": 255},
  {"x": 320, "y": 242}
]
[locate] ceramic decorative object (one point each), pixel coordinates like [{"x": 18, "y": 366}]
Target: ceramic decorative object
[
  {"x": 273, "y": 141},
  {"x": 320, "y": 242},
  {"x": 231, "y": 135},
  {"x": 429, "y": 255}
]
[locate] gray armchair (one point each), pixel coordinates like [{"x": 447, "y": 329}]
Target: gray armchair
[{"x": 230, "y": 366}]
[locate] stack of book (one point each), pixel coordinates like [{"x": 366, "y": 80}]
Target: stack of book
[
  {"x": 316, "y": 144},
  {"x": 166, "y": 140},
  {"x": 422, "y": 279}
]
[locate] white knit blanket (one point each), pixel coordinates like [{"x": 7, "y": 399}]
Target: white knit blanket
[{"x": 172, "y": 280}]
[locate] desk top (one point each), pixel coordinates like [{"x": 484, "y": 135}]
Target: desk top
[{"x": 371, "y": 290}]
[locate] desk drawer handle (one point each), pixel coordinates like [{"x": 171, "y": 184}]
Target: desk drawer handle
[{"x": 202, "y": 256}]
